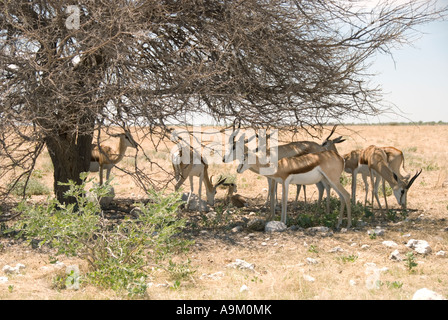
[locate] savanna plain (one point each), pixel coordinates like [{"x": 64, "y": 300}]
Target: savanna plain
[{"x": 351, "y": 264}]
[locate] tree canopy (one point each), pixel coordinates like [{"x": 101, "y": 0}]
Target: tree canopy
[{"x": 69, "y": 68}]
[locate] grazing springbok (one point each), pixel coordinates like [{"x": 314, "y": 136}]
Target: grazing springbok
[
  {"x": 189, "y": 169},
  {"x": 291, "y": 149},
  {"x": 106, "y": 157},
  {"x": 376, "y": 160},
  {"x": 395, "y": 160}
]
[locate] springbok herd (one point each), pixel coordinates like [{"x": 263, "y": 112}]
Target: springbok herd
[{"x": 300, "y": 162}]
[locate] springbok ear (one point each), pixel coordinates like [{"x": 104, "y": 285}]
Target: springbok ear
[{"x": 395, "y": 177}]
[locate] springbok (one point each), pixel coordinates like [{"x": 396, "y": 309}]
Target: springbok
[
  {"x": 190, "y": 169},
  {"x": 395, "y": 160},
  {"x": 104, "y": 157},
  {"x": 376, "y": 160},
  {"x": 291, "y": 149},
  {"x": 305, "y": 169}
]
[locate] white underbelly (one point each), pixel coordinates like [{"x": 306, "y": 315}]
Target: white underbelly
[{"x": 310, "y": 177}]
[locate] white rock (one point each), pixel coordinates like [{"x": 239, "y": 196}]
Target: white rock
[
  {"x": 244, "y": 288},
  {"x": 353, "y": 283},
  {"x": 214, "y": 276},
  {"x": 377, "y": 231},
  {"x": 13, "y": 270},
  {"x": 3, "y": 279},
  {"x": 395, "y": 255},
  {"x": 318, "y": 229},
  {"x": 420, "y": 246},
  {"x": 311, "y": 261},
  {"x": 241, "y": 264},
  {"x": 441, "y": 253},
  {"x": 426, "y": 294},
  {"x": 275, "y": 226},
  {"x": 365, "y": 246},
  {"x": 308, "y": 278},
  {"x": 390, "y": 244},
  {"x": 336, "y": 249}
]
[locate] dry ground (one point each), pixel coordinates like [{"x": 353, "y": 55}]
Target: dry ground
[{"x": 281, "y": 269}]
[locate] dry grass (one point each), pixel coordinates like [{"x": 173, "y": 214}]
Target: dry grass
[{"x": 280, "y": 258}]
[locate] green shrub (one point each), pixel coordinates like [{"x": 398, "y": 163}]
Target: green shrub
[{"x": 120, "y": 255}]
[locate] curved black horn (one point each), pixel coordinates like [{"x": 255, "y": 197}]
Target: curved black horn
[
  {"x": 413, "y": 179},
  {"x": 332, "y": 131}
]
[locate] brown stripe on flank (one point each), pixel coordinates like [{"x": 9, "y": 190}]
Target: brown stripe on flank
[{"x": 307, "y": 163}]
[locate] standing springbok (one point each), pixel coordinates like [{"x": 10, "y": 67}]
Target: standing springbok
[
  {"x": 292, "y": 149},
  {"x": 305, "y": 169},
  {"x": 376, "y": 160},
  {"x": 189, "y": 169},
  {"x": 105, "y": 157}
]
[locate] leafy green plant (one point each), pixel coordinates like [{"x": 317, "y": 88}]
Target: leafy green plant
[
  {"x": 121, "y": 255},
  {"x": 350, "y": 258},
  {"x": 394, "y": 284},
  {"x": 410, "y": 261}
]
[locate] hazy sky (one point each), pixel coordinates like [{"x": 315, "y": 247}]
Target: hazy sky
[{"x": 417, "y": 83}]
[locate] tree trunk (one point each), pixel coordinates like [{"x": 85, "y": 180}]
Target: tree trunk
[{"x": 70, "y": 155}]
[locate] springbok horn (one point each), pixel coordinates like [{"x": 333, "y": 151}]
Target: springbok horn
[
  {"x": 339, "y": 140},
  {"x": 332, "y": 131},
  {"x": 220, "y": 182},
  {"x": 413, "y": 179}
]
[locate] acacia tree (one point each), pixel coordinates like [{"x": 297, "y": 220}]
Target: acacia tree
[{"x": 69, "y": 68}]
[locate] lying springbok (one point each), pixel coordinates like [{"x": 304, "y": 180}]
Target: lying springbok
[
  {"x": 376, "y": 160},
  {"x": 291, "y": 149},
  {"x": 106, "y": 157},
  {"x": 310, "y": 168},
  {"x": 189, "y": 169}
]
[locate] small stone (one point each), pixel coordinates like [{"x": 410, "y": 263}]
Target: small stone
[
  {"x": 353, "y": 283},
  {"x": 256, "y": 224},
  {"x": 377, "y": 231},
  {"x": 318, "y": 229},
  {"x": 275, "y": 226},
  {"x": 241, "y": 264},
  {"x": 244, "y": 288},
  {"x": 3, "y": 279},
  {"x": 308, "y": 278},
  {"x": 214, "y": 276},
  {"x": 390, "y": 244},
  {"x": 395, "y": 256},
  {"x": 365, "y": 246},
  {"x": 441, "y": 253},
  {"x": 336, "y": 249},
  {"x": 311, "y": 261},
  {"x": 237, "y": 229}
]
